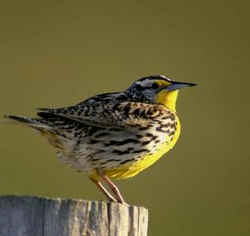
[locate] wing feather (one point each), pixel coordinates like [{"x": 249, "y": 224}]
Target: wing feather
[{"x": 120, "y": 115}]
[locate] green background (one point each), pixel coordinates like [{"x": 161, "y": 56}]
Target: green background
[{"x": 56, "y": 53}]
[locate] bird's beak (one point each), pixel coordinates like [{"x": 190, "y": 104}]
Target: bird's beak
[{"x": 178, "y": 85}]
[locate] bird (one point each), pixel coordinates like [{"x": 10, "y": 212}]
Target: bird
[{"x": 114, "y": 135}]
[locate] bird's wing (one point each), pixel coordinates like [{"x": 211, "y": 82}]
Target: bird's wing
[{"x": 128, "y": 115}]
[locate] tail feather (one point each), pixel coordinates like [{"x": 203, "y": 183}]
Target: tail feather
[
  {"x": 35, "y": 123},
  {"x": 19, "y": 119}
]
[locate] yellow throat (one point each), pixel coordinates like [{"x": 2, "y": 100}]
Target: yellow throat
[{"x": 168, "y": 99}]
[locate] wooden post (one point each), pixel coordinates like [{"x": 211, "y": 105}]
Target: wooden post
[{"x": 35, "y": 216}]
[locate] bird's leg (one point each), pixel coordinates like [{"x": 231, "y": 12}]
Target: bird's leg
[
  {"x": 114, "y": 188},
  {"x": 103, "y": 189}
]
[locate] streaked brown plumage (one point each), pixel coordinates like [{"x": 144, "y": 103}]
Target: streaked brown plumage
[{"x": 114, "y": 134}]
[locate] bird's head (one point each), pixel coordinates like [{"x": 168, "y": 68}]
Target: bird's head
[{"x": 157, "y": 89}]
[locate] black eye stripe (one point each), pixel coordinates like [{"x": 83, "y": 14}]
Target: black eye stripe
[
  {"x": 139, "y": 87},
  {"x": 155, "y": 86}
]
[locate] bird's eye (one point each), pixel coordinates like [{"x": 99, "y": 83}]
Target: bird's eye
[{"x": 155, "y": 86}]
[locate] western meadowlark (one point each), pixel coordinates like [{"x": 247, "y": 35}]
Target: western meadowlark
[{"x": 114, "y": 135}]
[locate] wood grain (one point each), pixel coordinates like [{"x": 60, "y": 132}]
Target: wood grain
[{"x": 35, "y": 216}]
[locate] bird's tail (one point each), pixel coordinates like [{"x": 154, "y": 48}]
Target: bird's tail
[{"x": 32, "y": 122}]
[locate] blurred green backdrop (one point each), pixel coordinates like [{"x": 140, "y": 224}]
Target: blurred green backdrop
[{"x": 56, "y": 53}]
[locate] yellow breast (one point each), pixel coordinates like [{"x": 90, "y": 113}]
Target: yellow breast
[
  {"x": 168, "y": 99},
  {"x": 135, "y": 168}
]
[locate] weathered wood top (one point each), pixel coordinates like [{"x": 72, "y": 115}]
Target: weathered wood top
[{"x": 35, "y": 216}]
